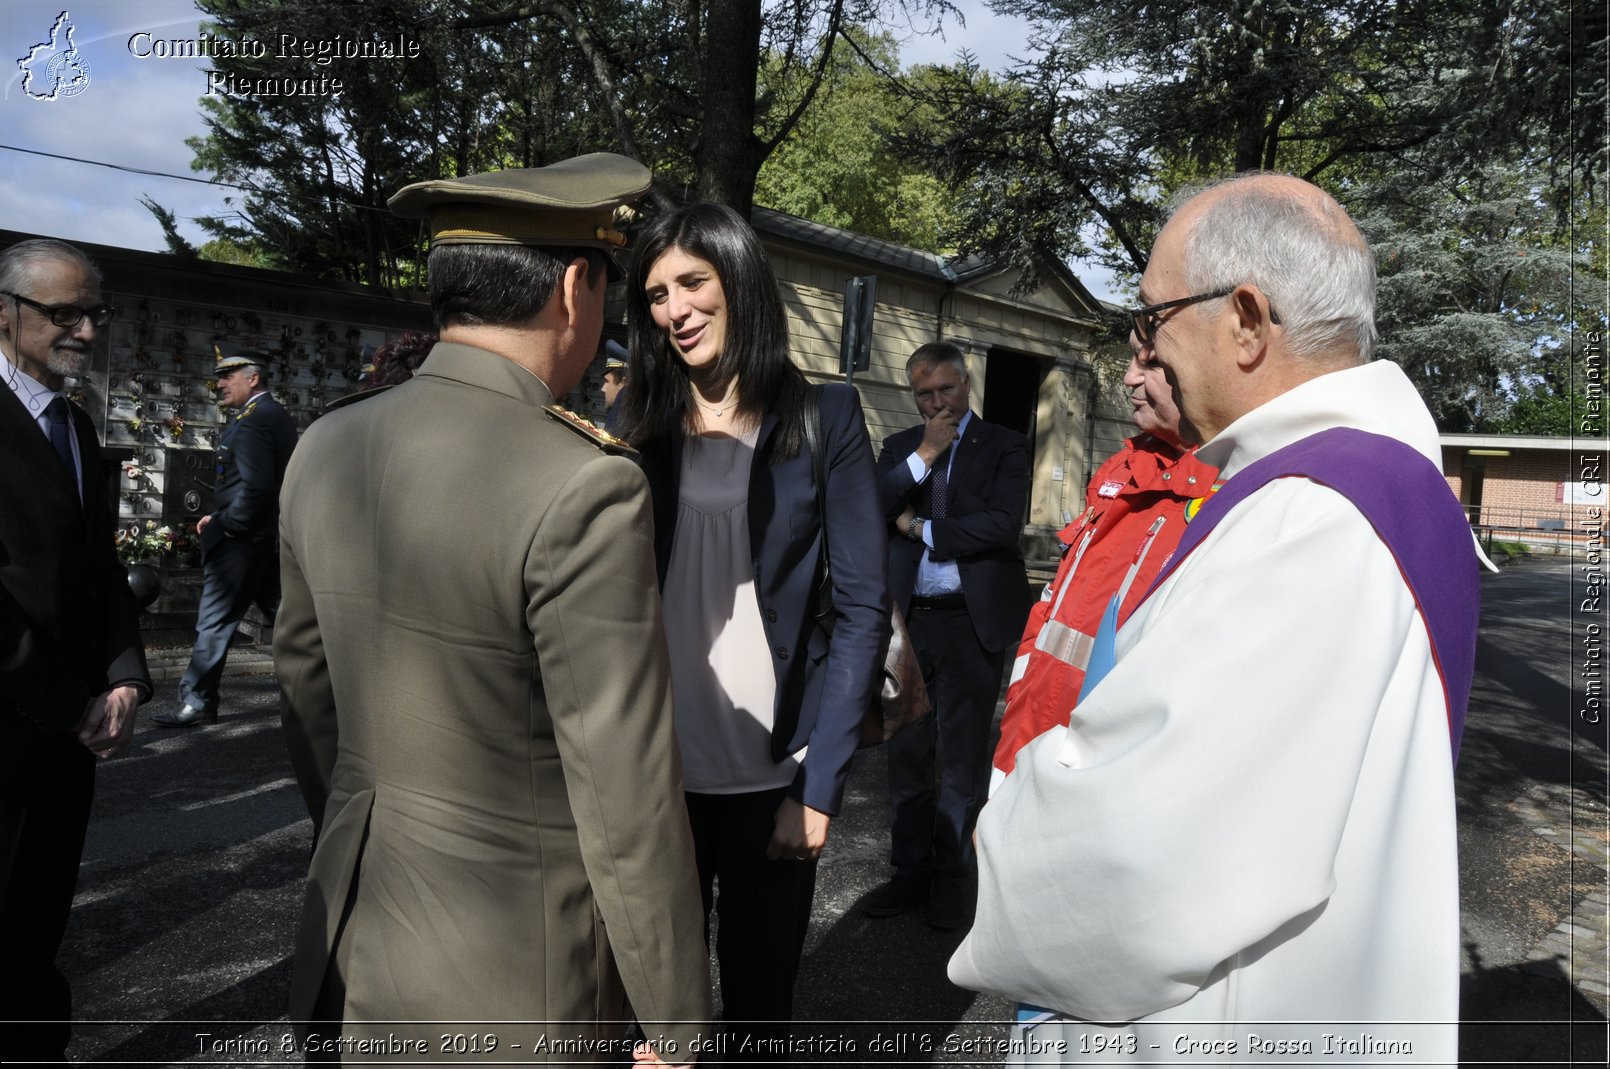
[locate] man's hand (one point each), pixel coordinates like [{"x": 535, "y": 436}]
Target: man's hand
[
  {"x": 107, "y": 726},
  {"x": 938, "y": 432},
  {"x": 799, "y": 833},
  {"x": 201, "y": 524}
]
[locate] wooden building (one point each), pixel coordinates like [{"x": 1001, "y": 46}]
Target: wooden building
[{"x": 1028, "y": 354}]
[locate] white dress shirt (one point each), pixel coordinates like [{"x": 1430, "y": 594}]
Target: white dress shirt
[{"x": 937, "y": 577}]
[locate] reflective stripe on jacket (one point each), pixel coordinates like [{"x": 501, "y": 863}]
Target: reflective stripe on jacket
[{"x": 1135, "y": 515}]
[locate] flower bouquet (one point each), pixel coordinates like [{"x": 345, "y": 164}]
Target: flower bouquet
[{"x": 136, "y": 544}]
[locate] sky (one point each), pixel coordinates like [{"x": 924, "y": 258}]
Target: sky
[{"x": 114, "y": 106}]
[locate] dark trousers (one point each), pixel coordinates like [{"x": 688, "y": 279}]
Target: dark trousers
[
  {"x": 235, "y": 574},
  {"x": 44, "y": 811},
  {"x": 763, "y": 907},
  {"x": 939, "y": 766}
]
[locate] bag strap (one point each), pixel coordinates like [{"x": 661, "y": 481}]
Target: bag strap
[
  {"x": 822, "y": 609},
  {"x": 1408, "y": 503}
]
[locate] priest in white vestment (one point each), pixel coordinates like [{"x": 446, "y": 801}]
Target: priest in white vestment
[{"x": 1252, "y": 856}]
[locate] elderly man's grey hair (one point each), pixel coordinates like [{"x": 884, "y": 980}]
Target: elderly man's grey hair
[
  {"x": 1304, "y": 253},
  {"x": 17, "y": 260}
]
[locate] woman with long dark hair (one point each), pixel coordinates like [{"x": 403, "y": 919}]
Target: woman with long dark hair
[{"x": 767, "y": 708}]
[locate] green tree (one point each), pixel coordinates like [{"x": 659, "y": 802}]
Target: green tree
[
  {"x": 1446, "y": 125},
  {"x": 675, "y": 83},
  {"x": 320, "y": 167},
  {"x": 839, "y": 167},
  {"x": 1473, "y": 287},
  {"x": 223, "y": 251},
  {"x": 1124, "y": 102},
  {"x": 1536, "y": 411},
  {"x": 169, "y": 223}
]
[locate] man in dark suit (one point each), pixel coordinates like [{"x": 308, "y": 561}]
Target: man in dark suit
[
  {"x": 72, "y": 669},
  {"x": 239, "y": 539},
  {"x": 954, "y": 490}
]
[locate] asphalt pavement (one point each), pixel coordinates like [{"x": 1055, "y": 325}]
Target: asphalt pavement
[{"x": 179, "y": 944}]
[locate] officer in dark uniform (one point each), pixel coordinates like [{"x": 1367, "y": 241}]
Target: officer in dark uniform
[
  {"x": 239, "y": 539},
  {"x": 614, "y": 383}
]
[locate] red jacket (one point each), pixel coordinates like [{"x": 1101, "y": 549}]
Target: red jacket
[{"x": 1135, "y": 514}]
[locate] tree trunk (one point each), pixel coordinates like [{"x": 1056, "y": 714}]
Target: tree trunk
[{"x": 729, "y": 152}]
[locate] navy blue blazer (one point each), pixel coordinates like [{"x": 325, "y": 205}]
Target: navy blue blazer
[
  {"x": 822, "y": 688},
  {"x": 989, "y": 494},
  {"x": 252, "y": 453},
  {"x": 69, "y": 630}
]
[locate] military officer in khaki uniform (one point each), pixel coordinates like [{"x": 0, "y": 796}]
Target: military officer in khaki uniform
[{"x": 502, "y": 835}]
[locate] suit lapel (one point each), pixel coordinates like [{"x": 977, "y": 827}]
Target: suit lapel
[
  {"x": 762, "y": 491},
  {"x": 964, "y": 453},
  {"x": 38, "y": 463},
  {"x": 93, "y": 484}
]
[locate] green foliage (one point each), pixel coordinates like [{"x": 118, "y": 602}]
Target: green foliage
[
  {"x": 1471, "y": 287},
  {"x": 1502, "y": 552},
  {"x": 502, "y": 84},
  {"x": 320, "y": 168},
  {"x": 1445, "y": 126},
  {"x": 1126, "y": 102},
  {"x": 169, "y": 223},
  {"x": 1540, "y": 411},
  {"x": 224, "y": 251},
  {"x": 838, "y": 166}
]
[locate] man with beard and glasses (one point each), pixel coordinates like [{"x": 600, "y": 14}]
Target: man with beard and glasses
[{"x": 72, "y": 668}]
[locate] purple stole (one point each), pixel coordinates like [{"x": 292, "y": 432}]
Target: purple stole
[{"x": 1407, "y": 501}]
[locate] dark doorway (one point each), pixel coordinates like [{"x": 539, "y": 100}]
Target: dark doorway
[
  {"x": 1012, "y": 395},
  {"x": 1470, "y": 480},
  {"x": 1012, "y": 389}
]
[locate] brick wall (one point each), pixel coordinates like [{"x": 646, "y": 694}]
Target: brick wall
[{"x": 1523, "y": 491}]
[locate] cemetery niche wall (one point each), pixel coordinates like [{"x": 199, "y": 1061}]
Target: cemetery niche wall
[{"x": 151, "y": 389}]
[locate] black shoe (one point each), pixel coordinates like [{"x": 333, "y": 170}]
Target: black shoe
[
  {"x": 187, "y": 717},
  {"x": 895, "y": 897},
  {"x": 947, "y": 910}
]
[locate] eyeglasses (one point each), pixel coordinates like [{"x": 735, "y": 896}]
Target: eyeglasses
[
  {"x": 68, "y": 315},
  {"x": 1145, "y": 321}
]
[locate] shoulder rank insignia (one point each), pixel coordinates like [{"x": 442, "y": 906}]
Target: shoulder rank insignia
[{"x": 584, "y": 427}]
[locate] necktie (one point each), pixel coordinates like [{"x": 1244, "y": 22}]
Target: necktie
[
  {"x": 61, "y": 433},
  {"x": 939, "y": 487}
]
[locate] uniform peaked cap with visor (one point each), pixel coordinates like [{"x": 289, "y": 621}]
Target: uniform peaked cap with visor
[{"x": 571, "y": 203}]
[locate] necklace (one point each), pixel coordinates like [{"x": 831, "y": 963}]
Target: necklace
[{"x": 716, "y": 410}]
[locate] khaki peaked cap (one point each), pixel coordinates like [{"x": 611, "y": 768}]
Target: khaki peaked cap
[{"x": 572, "y": 202}]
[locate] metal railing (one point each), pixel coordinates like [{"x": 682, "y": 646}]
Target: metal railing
[{"x": 1552, "y": 526}]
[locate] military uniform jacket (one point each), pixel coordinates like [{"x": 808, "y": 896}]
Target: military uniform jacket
[
  {"x": 253, "y": 451},
  {"x": 479, "y": 711}
]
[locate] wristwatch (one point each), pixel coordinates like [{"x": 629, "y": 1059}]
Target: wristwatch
[{"x": 914, "y": 529}]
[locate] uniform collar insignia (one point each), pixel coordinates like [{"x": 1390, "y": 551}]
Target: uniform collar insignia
[{"x": 585, "y": 427}]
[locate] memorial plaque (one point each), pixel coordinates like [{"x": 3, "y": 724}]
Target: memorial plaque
[{"x": 187, "y": 489}]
